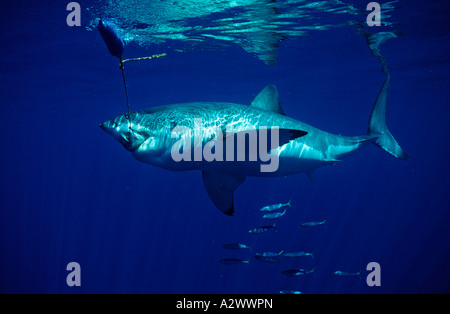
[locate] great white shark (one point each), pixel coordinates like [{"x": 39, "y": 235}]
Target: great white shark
[{"x": 148, "y": 135}]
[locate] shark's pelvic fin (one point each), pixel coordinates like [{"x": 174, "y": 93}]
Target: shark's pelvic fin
[
  {"x": 268, "y": 99},
  {"x": 220, "y": 188},
  {"x": 378, "y": 127}
]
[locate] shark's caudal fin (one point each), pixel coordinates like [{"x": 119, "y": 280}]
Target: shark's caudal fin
[
  {"x": 377, "y": 123},
  {"x": 378, "y": 127}
]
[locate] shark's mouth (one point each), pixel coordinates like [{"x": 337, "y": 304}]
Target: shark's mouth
[
  {"x": 128, "y": 137},
  {"x": 255, "y": 25}
]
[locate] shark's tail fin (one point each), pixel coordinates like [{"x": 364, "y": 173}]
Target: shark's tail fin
[{"x": 378, "y": 127}]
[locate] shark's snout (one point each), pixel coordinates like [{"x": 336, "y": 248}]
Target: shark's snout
[
  {"x": 104, "y": 126},
  {"x": 125, "y": 132},
  {"x": 111, "y": 128}
]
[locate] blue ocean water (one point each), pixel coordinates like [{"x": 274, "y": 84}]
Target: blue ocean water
[{"x": 71, "y": 193}]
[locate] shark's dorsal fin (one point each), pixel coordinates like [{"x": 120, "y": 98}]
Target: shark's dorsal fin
[
  {"x": 220, "y": 189},
  {"x": 268, "y": 99}
]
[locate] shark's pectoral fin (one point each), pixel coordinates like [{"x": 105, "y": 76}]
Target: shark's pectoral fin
[
  {"x": 268, "y": 99},
  {"x": 309, "y": 174},
  {"x": 220, "y": 189}
]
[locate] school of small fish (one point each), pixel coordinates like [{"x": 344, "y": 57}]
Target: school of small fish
[{"x": 279, "y": 257}]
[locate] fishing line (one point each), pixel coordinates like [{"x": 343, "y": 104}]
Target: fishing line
[
  {"x": 123, "y": 72},
  {"x": 116, "y": 48},
  {"x": 125, "y": 85}
]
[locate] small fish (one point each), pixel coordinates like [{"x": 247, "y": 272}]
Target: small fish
[
  {"x": 235, "y": 246},
  {"x": 274, "y": 215},
  {"x": 345, "y": 274},
  {"x": 262, "y": 229},
  {"x": 297, "y": 254},
  {"x": 290, "y": 292},
  {"x": 270, "y": 208},
  {"x": 269, "y": 254},
  {"x": 313, "y": 223},
  {"x": 268, "y": 259},
  {"x": 232, "y": 261},
  {"x": 297, "y": 272}
]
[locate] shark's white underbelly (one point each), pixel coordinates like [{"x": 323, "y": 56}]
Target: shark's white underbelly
[{"x": 291, "y": 158}]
